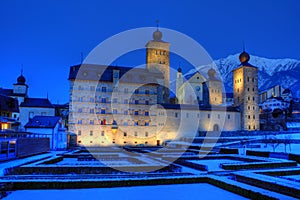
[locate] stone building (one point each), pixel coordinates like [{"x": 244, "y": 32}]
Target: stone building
[
  {"x": 113, "y": 105},
  {"x": 245, "y": 89},
  {"x": 130, "y": 106}
]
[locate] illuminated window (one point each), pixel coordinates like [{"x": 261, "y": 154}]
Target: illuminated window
[{"x": 79, "y": 132}]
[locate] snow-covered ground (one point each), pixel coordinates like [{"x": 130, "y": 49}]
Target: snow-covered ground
[
  {"x": 214, "y": 164},
  {"x": 174, "y": 192}
]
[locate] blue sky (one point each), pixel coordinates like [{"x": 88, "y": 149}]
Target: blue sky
[{"x": 46, "y": 37}]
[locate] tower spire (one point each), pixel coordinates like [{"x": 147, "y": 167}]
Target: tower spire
[{"x": 157, "y": 24}]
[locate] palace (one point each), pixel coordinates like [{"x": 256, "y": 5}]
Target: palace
[{"x": 113, "y": 105}]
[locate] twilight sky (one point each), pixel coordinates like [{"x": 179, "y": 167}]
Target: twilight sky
[{"x": 47, "y": 37}]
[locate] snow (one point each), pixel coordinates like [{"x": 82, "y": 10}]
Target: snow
[
  {"x": 214, "y": 165},
  {"x": 174, "y": 192},
  {"x": 23, "y": 161}
]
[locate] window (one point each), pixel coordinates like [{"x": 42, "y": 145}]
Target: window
[
  {"x": 125, "y": 112},
  {"x": 91, "y": 122},
  {"x": 254, "y": 127},
  {"x": 253, "y": 116},
  {"x": 248, "y": 98},
  {"x": 103, "y": 111},
  {"x": 146, "y": 113},
  {"x": 125, "y": 134},
  {"x": 248, "y": 79},
  {"x": 115, "y": 111},
  {"x": 208, "y": 116},
  {"x": 253, "y": 98},
  {"x": 249, "y": 127},
  {"x": 252, "y": 79},
  {"x": 92, "y": 88},
  {"x": 79, "y": 141},
  {"x": 136, "y": 102},
  {"x": 218, "y": 116},
  {"x": 147, "y": 102},
  {"x": 146, "y": 134},
  {"x": 248, "y": 116},
  {"x": 125, "y": 101},
  {"x": 248, "y": 107},
  {"x": 176, "y": 114},
  {"x": 136, "y": 91},
  {"x": 198, "y": 115},
  {"x": 79, "y": 132},
  {"x": 136, "y": 112},
  {"x": 248, "y": 89},
  {"x": 228, "y": 116},
  {"x": 103, "y": 100},
  {"x": 115, "y": 100},
  {"x": 103, "y": 89},
  {"x": 79, "y": 110},
  {"x": 80, "y": 121},
  {"x": 187, "y": 115},
  {"x": 92, "y": 99},
  {"x": 102, "y": 133},
  {"x": 91, "y": 133},
  {"x": 126, "y": 90},
  {"x": 91, "y": 111},
  {"x": 135, "y": 134},
  {"x": 91, "y": 142},
  {"x": 146, "y": 123},
  {"x": 147, "y": 92}
]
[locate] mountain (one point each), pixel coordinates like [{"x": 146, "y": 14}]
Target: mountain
[{"x": 284, "y": 72}]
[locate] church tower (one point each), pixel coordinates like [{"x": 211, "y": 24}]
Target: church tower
[
  {"x": 245, "y": 86},
  {"x": 20, "y": 88},
  {"x": 158, "y": 60}
]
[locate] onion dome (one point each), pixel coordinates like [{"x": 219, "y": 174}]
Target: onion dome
[
  {"x": 21, "y": 80},
  {"x": 157, "y": 35},
  {"x": 211, "y": 73},
  {"x": 244, "y": 57},
  {"x": 179, "y": 70}
]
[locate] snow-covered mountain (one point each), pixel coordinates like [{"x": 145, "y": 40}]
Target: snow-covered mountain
[{"x": 285, "y": 72}]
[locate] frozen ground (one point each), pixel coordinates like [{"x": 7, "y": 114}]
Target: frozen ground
[
  {"x": 174, "y": 192},
  {"x": 214, "y": 164}
]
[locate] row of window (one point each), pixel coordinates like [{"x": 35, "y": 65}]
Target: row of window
[
  {"x": 125, "y": 123},
  {"x": 113, "y": 142},
  {"x": 115, "y": 111},
  {"x": 126, "y": 90},
  {"x": 159, "y": 52},
  {"x": 240, "y": 80},
  {"x": 102, "y": 133},
  {"x": 249, "y": 116}
]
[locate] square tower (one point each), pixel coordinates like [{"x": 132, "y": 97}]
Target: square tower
[
  {"x": 158, "y": 61},
  {"x": 245, "y": 86}
]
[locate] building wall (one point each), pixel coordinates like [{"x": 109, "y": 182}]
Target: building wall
[
  {"x": 92, "y": 113},
  {"x": 28, "y": 112},
  {"x": 245, "y": 85},
  {"x": 191, "y": 91},
  {"x": 212, "y": 92}
]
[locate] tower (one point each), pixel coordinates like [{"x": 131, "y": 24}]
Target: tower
[
  {"x": 245, "y": 86},
  {"x": 20, "y": 88},
  {"x": 179, "y": 80},
  {"x": 212, "y": 89},
  {"x": 158, "y": 60}
]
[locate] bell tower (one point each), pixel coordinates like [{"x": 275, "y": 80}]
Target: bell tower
[
  {"x": 245, "y": 86},
  {"x": 158, "y": 60}
]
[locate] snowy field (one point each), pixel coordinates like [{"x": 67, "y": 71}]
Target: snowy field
[
  {"x": 214, "y": 164},
  {"x": 174, "y": 192}
]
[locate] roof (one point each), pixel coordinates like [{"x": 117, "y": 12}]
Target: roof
[
  {"x": 6, "y": 92},
  {"x": 43, "y": 122},
  {"x": 199, "y": 107},
  {"x": 8, "y": 104},
  {"x": 105, "y": 73},
  {"x": 244, "y": 65},
  {"x": 37, "y": 102},
  {"x": 268, "y": 88}
]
